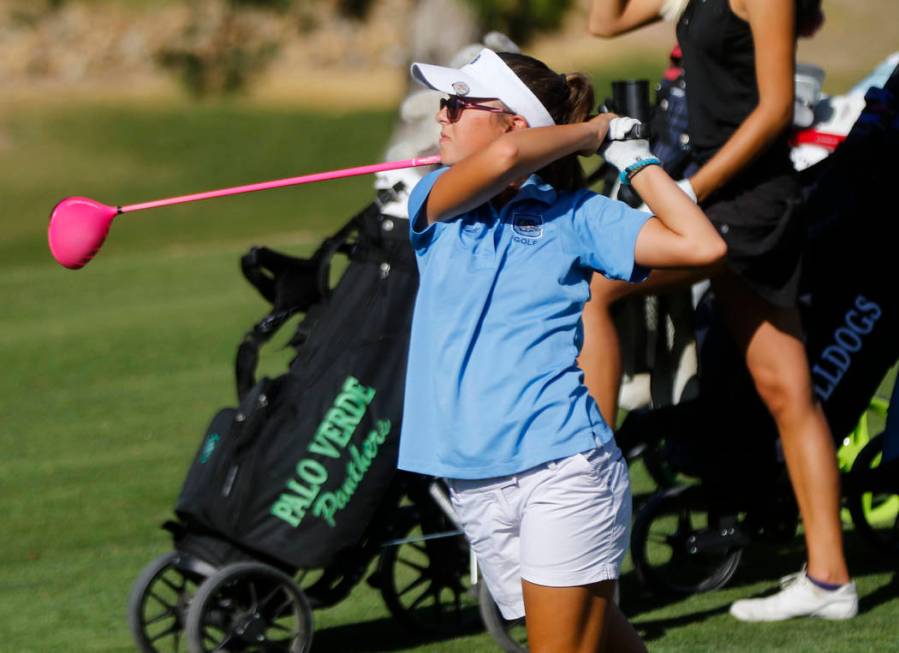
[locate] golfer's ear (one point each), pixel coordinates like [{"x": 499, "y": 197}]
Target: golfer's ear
[{"x": 517, "y": 122}]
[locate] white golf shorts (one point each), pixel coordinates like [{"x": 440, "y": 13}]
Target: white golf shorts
[{"x": 561, "y": 524}]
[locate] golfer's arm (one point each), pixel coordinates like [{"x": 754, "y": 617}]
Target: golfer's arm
[
  {"x": 772, "y": 35},
  {"x": 481, "y": 176},
  {"x": 613, "y": 17},
  {"x": 682, "y": 236}
]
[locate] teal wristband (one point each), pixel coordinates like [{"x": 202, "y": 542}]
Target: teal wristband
[{"x": 634, "y": 168}]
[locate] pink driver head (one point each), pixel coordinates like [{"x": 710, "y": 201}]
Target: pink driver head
[{"x": 78, "y": 227}]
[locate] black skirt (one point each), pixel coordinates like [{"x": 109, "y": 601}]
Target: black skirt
[{"x": 757, "y": 216}]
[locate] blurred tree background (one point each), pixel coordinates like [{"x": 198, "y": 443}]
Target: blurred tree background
[
  {"x": 226, "y": 47},
  {"x": 227, "y": 42}
]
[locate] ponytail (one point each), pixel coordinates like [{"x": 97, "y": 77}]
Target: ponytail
[
  {"x": 580, "y": 97},
  {"x": 568, "y": 99}
]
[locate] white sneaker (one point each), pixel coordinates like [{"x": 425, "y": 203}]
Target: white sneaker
[{"x": 799, "y": 597}]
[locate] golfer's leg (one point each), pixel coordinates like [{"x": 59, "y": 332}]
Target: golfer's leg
[
  {"x": 770, "y": 338},
  {"x": 577, "y": 620},
  {"x": 600, "y": 357}
]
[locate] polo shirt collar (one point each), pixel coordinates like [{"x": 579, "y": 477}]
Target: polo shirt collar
[{"x": 534, "y": 188}]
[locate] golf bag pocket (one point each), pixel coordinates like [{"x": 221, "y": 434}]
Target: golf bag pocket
[{"x": 209, "y": 497}]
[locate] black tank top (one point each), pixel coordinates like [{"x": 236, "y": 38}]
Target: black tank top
[{"x": 719, "y": 66}]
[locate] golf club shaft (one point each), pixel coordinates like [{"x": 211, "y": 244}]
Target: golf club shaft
[{"x": 290, "y": 181}]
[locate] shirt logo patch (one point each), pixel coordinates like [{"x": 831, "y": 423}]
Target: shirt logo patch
[{"x": 527, "y": 225}]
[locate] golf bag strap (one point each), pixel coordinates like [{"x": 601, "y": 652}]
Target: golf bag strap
[
  {"x": 291, "y": 285},
  {"x": 285, "y": 281}
]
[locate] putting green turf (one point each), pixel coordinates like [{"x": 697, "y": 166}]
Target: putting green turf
[{"x": 110, "y": 374}]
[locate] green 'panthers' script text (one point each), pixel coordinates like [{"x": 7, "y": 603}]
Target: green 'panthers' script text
[{"x": 303, "y": 490}]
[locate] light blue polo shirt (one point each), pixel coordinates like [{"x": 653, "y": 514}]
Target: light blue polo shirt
[{"x": 492, "y": 386}]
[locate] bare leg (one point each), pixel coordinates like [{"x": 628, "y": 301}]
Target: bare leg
[
  {"x": 770, "y": 338},
  {"x": 577, "y": 620},
  {"x": 600, "y": 357}
]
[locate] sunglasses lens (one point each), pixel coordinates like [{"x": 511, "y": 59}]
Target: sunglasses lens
[{"x": 453, "y": 107}]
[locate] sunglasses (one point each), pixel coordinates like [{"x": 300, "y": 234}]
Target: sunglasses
[{"x": 455, "y": 105}]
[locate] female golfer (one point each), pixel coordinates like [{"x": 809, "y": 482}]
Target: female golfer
[
  {"x": 739, "y": 60},
  {"x": 495, "y": 402}
]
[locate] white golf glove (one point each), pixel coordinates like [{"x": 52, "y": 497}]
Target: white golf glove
[{"x": 622, "y": 153}]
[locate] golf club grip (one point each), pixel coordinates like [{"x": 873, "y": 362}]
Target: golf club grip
[{"x": 640, "y": 131}]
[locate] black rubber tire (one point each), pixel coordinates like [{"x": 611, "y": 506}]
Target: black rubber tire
[
  {"x": 160, "y": 586},
  {"x": 510, "y": 635},
  {"x": 684, "y": 573},
  {"x": 884, "y": 540},
  {"x": 446, "y": 604},
  {"x": 231, "y": 605}
]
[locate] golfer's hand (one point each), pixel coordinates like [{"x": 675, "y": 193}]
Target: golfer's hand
[
  {"x": 600, "y": 125},
  {"x": 621, "y": 151}
]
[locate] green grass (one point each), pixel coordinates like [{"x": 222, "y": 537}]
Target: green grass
[{"x": 110, "y": 374}]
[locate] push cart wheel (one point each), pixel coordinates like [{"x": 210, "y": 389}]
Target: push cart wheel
[
  {"x": 426, "y": 585},
  {"x": 679, "y": 548},
  {"x": 158, "y": 604},
  {"x": 509, "y": 634},
  {"x": 868, "y": 425},
  {"x": 249, "y": 606},
  {"x": 874, "y": 513}
]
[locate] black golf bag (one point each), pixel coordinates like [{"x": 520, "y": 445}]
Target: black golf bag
[
  {"x": 853, "y": 322},
  {"x": 295, "y": 473}
]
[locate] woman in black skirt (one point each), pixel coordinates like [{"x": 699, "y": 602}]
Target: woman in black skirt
[{"x": 739, "y": 62}]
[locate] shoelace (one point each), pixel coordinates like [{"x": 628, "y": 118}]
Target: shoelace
[{"x": 791, "y": 579}]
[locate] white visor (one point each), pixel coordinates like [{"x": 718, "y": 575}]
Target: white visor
[{"x": 485, "y": 76}]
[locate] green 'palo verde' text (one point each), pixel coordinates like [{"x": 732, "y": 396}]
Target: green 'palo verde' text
[{"x": 331, "y": 438}]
